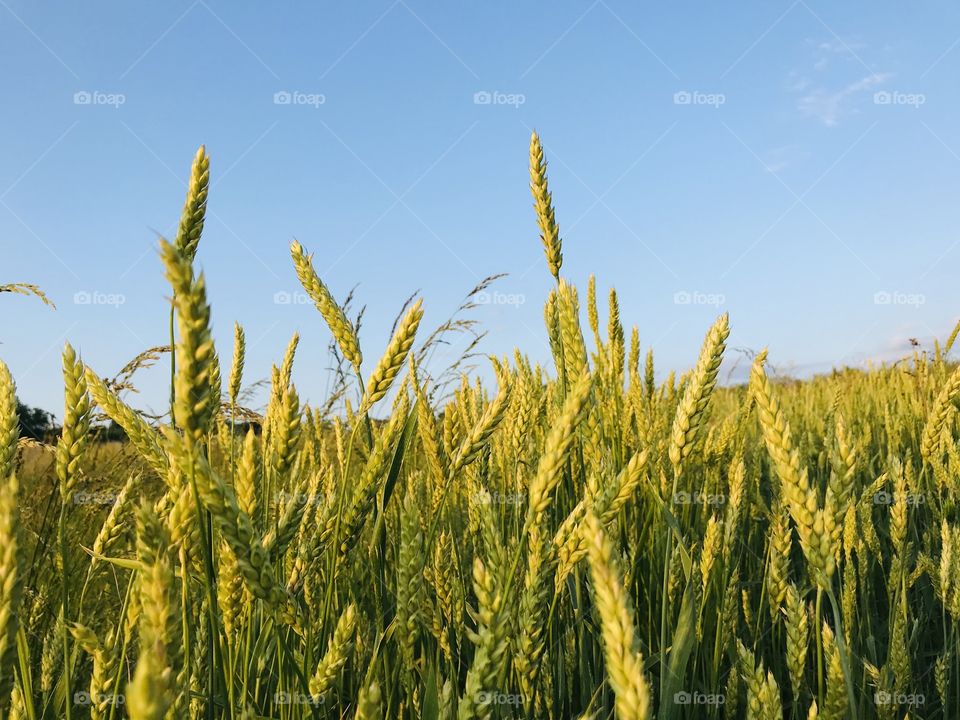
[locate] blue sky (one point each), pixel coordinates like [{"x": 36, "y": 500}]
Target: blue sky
[{"x": 794, "y": 163}]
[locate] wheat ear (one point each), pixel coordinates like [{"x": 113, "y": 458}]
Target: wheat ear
[
  {"x": 478, "y": 436},
  {"x": 9, "y": 422},
  {"x": 343, "y": 331},
  {"x": 393, "y": 359},
  {"x": 692, "y": 409},
  {"x": 76, "y": 423},
  {"x": 492, "y": 643},
  {"x": 835, "y": 704},
  {"x": 338, "y": 650},
  {"x": 543, "y": 204},
  {"x": 368, "y": 704},
  {"x": 151, "y": 693},
  {"x": 930, "y": 440},
  {"x": 11, "y": 584},
  {"x": 798, "y": 638},
  {"x": 557, "y": 447},
  {"x": 236, "y": 367},
  {"x": 143, "y": 437},
  {"x": 814, "y": 526},
  {"x": 195, "y": 206},
  {"x": 237, "y": 530},
  {"x": 196, "y": 400},
  {"x": 624, "y": 663}
]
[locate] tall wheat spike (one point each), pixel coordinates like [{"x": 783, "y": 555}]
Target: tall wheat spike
[
  {"x": 690, "y": 413},
  {"x": 195, "y": 206},
  {"x": 343, "y": 330},
  {"x": 814, "y": 526},
  {"x": 381, "y": 379},
  {"x": 543, "y": 204},
  {"x": 196, "y": 400},
  {"x": 236, "y": 367},
  {"x": 76, "y": 423}
]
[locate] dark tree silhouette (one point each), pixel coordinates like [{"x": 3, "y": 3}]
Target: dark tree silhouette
[{"x": 35, "y": 423}]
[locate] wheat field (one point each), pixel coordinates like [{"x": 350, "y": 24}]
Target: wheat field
[{"x": 577, "y": 541}]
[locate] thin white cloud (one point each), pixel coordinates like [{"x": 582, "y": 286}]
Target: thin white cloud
[
  {"x": 830, "y": 106},
  {"x": 821, "y": 95}
]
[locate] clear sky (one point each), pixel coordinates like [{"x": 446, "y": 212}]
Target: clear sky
[{"x": 794, "y": 163}]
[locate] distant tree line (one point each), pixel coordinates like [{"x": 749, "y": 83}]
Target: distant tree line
[{"x": 38, "y": 424}]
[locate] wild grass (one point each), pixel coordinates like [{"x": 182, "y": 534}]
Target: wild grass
[{"x": 579, "y": 541}]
